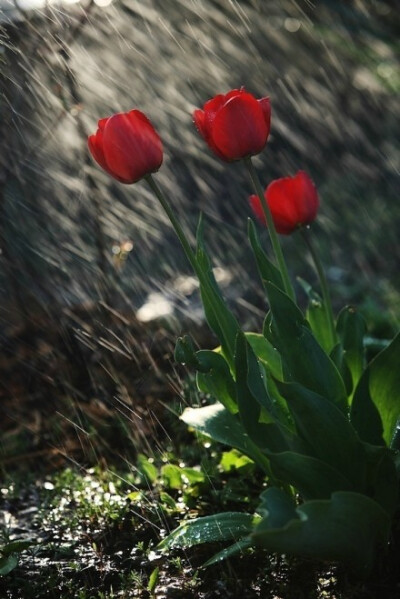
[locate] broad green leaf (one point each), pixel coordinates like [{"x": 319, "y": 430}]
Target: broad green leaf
[
  {"x": 216, "y": 422},
  {"x": 267, "y": 270},
  {"x": 8, "y": 563},
  {"x": 172, "y": 476},
  {"x": 349, "y": 528},
  {"x": 252, "y": 395},
  {"x": 375, "y": 410},
  {"x": 238, "y": 547},
  {"x": 234, "y": 460},
  {"x": 337, "y": 357},
  {"x": 383, "y": 480},
  {"x": 266, "y": 353},
  {"x": 16, "y": 546},
  {"x": 312, "y": 478},
  {"x": 327, "y": 433},
  {"x": 317, "y": 316},
  {"x": 351, "y": 329},
  {"x": 277, "y": 506},
  {"x": 215, "y": 378},
  {"x": 249, "y": 400},
  {"x": 256, "y": 380},
  {"x": 192, "y": 476},
  {"x": 209, "y": 529},
  {"x": 168, "y": 501},
  {"x": 185, "y": 351},
  {"x": 146, "y": 468},
  {"x": 176, "y": 477},
  {"x": 305, "y": 360}
]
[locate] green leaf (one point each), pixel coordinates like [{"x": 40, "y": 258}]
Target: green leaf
[
  {"x": 215, "y": 378},
  {"x": 351, "y": 329},
  {"x": 312, "y": 478},
  {"x": 185, "y": 351},
  {"x": 16, "y": 546},
  {"x": 172, "y": 476},
  {"x": 176, "y": 477},
  {"x": 349, "y": 527},
  {"x": 252, "y": 395},
  {"x": 317, "y": 316},
  {"x": 209, "y": 529},
  {"x": 216, "y": 422},
  {"x": 305, "y": 360},
  {"x": 192, "y": 476},
  {"x": 153, "y": 580},
  {"x": 234, "y": 460},
  {"x": 277, "y": 507},
  {"x": 337, "y": 357},
  {"x": 168, "y": 501},
  {"x": 267, "y": 270},
  {"x": 249, "y": 400},
  {"x": 270, "y": 360},
  {"x": 375, "y": 409},
  {"x": 147, "y": 468},
  {"x": 219, "y": 317},
  {"x": 266, "y": 353},
  {"x": 8, "y": 563},
  {"x": 327, "y": 433},
  {"x": 383, "y": 479},
  {"x": 238, "y": 547}
]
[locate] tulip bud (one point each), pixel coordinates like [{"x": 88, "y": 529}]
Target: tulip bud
[
  {"x": 235, "y": 125},
  {"x": 127, "y": 146},
  {"x": 293, "y": 202}
]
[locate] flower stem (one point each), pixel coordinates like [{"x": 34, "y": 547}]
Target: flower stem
[
  {"x": 323, "y": 283},
  {"x": 271, "y": 228},
  {"x": 205, "y": 285},
  {"x": 174, "y": 222}
]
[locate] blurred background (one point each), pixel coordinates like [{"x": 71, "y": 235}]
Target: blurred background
[{"x": 86, "y": 263}]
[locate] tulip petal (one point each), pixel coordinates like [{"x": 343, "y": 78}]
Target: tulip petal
[
  {"x": 256, "y": 206},
  {"x": 203, "y": 121},
  {"x": 132, "y": 147},
  {"x": 199, "y": 118},
  {"x": 239, "y": 128},
  {"x": 266, "y": 108},
  {"x": 309, "y": 197},
  {"x": 213, "y": 105},
  {"x": 96, "y": 148},
  {"x": 293, "y": 202},
  {"x": 95, "y": 144}
]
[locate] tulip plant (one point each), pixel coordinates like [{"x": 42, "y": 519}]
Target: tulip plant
[{"x": 298, "y": 397}]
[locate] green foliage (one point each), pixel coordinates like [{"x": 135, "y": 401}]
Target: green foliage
[
  {"x": 349, "y": 527},
  {"x": 10, "y": 554},
  {"x": 317, "y": 316},
  {"x": 375, "y": 410},
  {"x": 266, "y": 269},
  {"x": 209, "y": 529},
  {"x": 351, "y": 329},
  {"x": 319, "y": 422},
  {"x": 219, "y": 317}
]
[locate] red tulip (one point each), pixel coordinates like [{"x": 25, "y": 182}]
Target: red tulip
[
  {"x": 127, "y": 146},
  {"x": 293, "y": 202},
  {"x": 234, "y": 125}
]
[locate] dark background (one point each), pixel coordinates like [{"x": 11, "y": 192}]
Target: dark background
[{"x": 330, "y": 70}]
